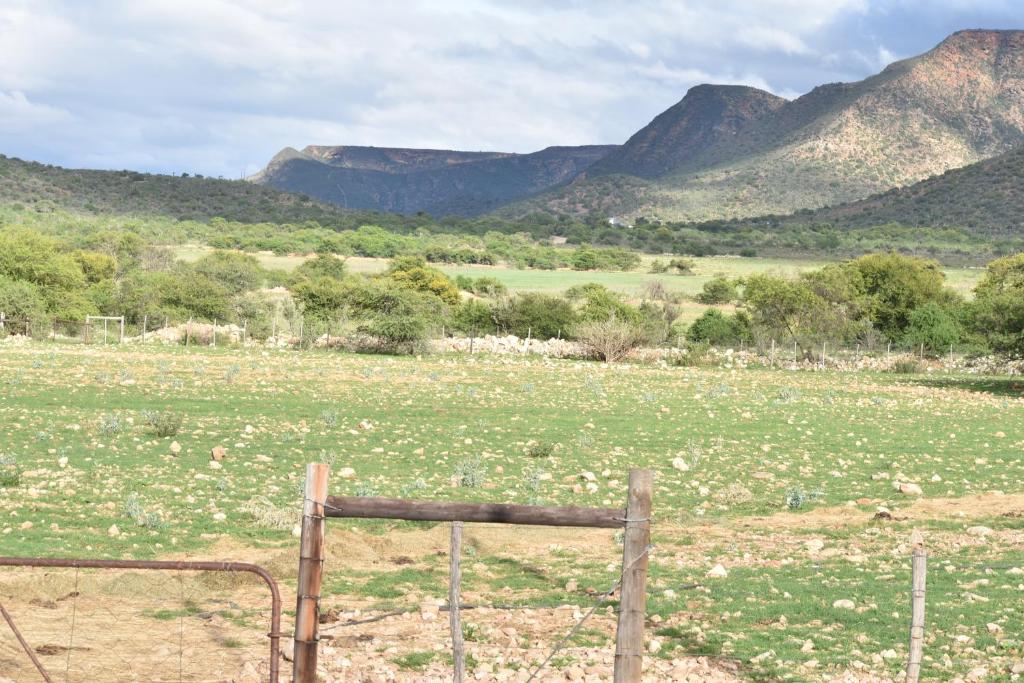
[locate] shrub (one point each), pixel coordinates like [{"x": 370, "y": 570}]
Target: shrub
[
  {"x": 321, "y": 265},
  {"x": 541, "y": 315},
  {"x": 718, "y": 290},
  {"x": 399, "y": 319},
  {"x": 719, "y": 329},
  {"x": 932, "y": 327},
  {"x": 234, "y": 271},
  {"x": 10, "y": 472},
  {"x": 412, "y": 272},
  {"x": 472, "y": 317},
  {"x": 162, "y": 424},
  {"x": 610, "y": 339},
  {"x": 20, "y": 300},
  {"x": 906, "y": 366},
  {"x": 682, "y": 266}
]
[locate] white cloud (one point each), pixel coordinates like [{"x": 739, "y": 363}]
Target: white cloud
[{"x": 218, "y": 86}]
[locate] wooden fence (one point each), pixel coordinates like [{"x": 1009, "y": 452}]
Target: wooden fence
[{"x": 635, "y": 519}]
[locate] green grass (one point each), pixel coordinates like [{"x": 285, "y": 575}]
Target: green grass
[{"x": 748, "y": 437}]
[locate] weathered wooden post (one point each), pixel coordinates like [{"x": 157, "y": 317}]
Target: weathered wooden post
[
  {"x": 454, "y": 588},
  {"x": 214, "y": 342},
  {"x": 120, "y": 333},
  {"x": 919, "y": 570},
  {"x": 629, "y": 638},
  {"x": 145, "y": 324},
  {"x": 311, "y": 568}
]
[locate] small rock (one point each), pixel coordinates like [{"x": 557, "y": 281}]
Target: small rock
[
  {"x": 571, "y": 585},
  {"x": 980, "y": 531},
  {"x": 680, "y": 465},
  {"x": 113, "y": 531},
  {"x": 218, "y": 452},
  {"x": 844, "y": 604},
  {"x": 347, "y": 473},
  {"x": 175, "y": 448},
  {"x": 718, "y": 572},
  {"x": 993, "y": 628},
  {"x": 907, "y": 488},
  {"x": 215, "y": 465},
  {"x": 654, "y": 646}
]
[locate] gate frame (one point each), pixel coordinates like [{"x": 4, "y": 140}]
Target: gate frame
[
  {"x": 169, "y": 565},
  {"x": 635, "y": 519}
]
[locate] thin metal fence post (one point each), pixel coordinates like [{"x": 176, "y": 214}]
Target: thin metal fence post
[{"x": 454, "y": 588}]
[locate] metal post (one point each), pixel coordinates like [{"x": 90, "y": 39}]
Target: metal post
[
  {"x": 454, "y": 586},
  {"x": 120, "y": 334},
  {"x": 311, "y": 568},
  {"x": 629, "y": 638}
]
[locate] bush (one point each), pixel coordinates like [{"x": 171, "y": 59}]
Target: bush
[
  {"x": 234, "y": 271},
  {"x": 472, "y": 317},
  {"x": 399, "y": 319},
  {"x": 541, "y": 315},
  {"x": 932, "y": 327},
  {"x": 906, "y": 366},
  {"x": 610, "y": 339},
  {"x": 20, "y": 300},
  {"x": 321, "y": 265},
  {"x": 412, "y": 272},
  {"x": 682, "y": 266},
  {"x": 719, "y": 329},
  {"x": 162, "y": 424},
  {"x": 718, "y": 290}
]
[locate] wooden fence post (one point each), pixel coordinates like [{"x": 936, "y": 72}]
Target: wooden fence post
[
  {"x": 919, "y": 570},
  {"x": 629, "y": 638},
  {"x": 145, "y": 324},
  {"x": 311, "y": 568},
  {"x": 454, "y": 588}
]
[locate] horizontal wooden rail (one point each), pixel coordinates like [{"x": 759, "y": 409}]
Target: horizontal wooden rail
[{"x": 443, "y": 511}]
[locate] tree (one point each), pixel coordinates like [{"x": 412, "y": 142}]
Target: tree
[
  {"x": 997, "y": 312},
  {"x": 322, "y": 298},
  {"x": 895, "y": 285},
  {"x": 541, "y": 315},
  {"x": 718, "y": 290},
  {"x": 932, "y": 327},
  {"x": 321, "y": 265},
  {"x": 235, "y": 271},
  {"x": 719, "y": 329},
  {"x": 412, "y": 272}
]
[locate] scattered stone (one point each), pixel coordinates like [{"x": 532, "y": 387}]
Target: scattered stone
[
  {"x": 980, "y": 531},
  {"x": 218, "y": 452},
  {"x": 346, "y": 473},
  {"x": 680, "y": 465},
  {"x": 907, "y": 488},
  {"x": 718, "y": 572},
  {"x": 113, "y": 531},
  {"x": 844, "y": 604},
  {"x": 215, "y": 465},
  {"x": 175, "y": 448}
]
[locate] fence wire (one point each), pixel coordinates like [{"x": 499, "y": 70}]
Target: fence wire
[{"x": 134, "y": 625}]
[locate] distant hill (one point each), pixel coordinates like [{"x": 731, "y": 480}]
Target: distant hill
[
  {"x": 440, "y": 182},
  {"x": 43, "y": 187},
  {"x": 959, "y": 103},
  {"x": 983, "y": 198}
]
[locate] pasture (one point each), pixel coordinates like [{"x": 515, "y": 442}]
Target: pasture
[{"x": 777, "y": 476}]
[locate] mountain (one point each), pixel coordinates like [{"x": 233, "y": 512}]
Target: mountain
[
  {"x": 959, "y": 103},
  {"x": 708, "y": 115},
  {"x": 440, "y": 182},
  {"x": 45, "y": 188},
  {"x": 986, "y": 197}
]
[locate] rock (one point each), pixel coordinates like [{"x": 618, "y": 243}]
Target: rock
[
  {"x": 366, "y": 425},
  {"x": 680, "y": 465},
  {"x": 175, "y": 448},
  {"x": 808, "y": 646},
  {"x": 980, "y": 531},
  {"x": 889, "y": 654},
  {"x": 907, "y": 488},
  {"x": 717, "y": 572},
  {"x": 844, "y": 604},
  {"x": 1018, "y": 667},
  {"x": 993, "y": 628},
  {"x": 215, "y": 465},
  {"x": 25, "y": 526},
  {"x": 588, "y": 476},
  {"x": 571, "y": 585},
  {"x": 249, "y": 429},
  {"x": 218, "y": 452},
  {"x": 219, "y": 516},
  {"x": 429, "y": 611},
  {"x": 654, "y": 646},
  {"x": 976, "y": 674},
  {"x": 814, "y": 545},
  {"x": 113, "y": 531}
]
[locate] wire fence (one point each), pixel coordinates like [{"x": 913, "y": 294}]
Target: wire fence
[{"x": 138, "y": 624}]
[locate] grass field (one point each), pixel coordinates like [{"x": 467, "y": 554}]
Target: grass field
[
  {"x": 775, "y": 475},
  {"x": 631, "y": 283}
]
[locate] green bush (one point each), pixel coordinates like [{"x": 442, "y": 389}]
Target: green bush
[
  {"x": 321, "y": 265},
  {"x": 719, "y": 329},
  {"x": 233, "y": 271},
  {"x": 718, "y": 290},
  {"x": 541, "y": 315},
  {"x": 932, "y": 327}
]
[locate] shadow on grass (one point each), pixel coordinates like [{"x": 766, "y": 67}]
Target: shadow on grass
[{"x": 998, "y": 386}]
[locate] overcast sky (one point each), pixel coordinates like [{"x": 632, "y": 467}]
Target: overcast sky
[{"x": 219, "y": 86}]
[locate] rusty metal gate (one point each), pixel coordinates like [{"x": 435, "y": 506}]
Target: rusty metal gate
[{"x": 179, "y": 566}]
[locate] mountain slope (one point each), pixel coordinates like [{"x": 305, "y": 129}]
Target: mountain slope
[
  {"x": 439, "y": 182},
  {"x": 961, "y": 102},
  {"x": 46, "y": 188},
  {"x": 984, "y": 198},
  {"x": 707, "y": 115}
]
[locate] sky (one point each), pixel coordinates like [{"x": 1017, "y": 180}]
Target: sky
[{"x": 219, "y": 86}]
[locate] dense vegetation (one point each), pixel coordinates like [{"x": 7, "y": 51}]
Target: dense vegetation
[{"x": 883, "y": 296}]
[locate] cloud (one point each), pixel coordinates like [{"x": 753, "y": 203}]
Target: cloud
[{"x": 218, "y": 86}]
